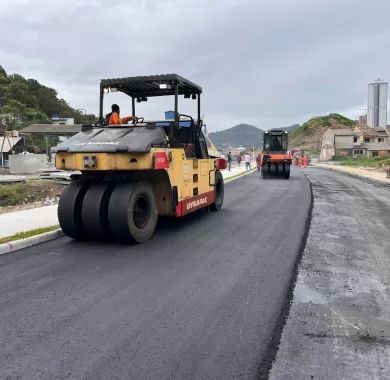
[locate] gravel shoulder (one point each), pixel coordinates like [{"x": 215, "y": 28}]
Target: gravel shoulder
[
  {"x": 338, "y": 326},
  {"x": 376, "y": 175}
]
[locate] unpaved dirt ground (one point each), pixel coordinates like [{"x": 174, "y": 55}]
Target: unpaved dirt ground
[
  {"x": 371, "y": 173},
  {"x": 30, "y": 194},
  {"x": 338, "y": 326}
]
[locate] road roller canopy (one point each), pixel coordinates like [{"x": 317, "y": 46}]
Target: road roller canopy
[
  {"x": 140, "y": 88},
  {"x": 152, "y": 85},
  {"x": 275, "y": 140}
]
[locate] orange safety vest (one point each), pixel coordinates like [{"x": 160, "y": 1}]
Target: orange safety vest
[{"x": 116, "y": 119}]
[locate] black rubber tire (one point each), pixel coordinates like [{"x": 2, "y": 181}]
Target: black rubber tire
[
  {"x": 94, "y": 213},
  {"x": 280, "y": 170},
  {"x": 69, "y": 209},
  {"x": 286, "y": 174},
  {"x": 219, "y": 192},
  {"x": 273, "y": 170},
  {"x": 264, "y": 171},
  {"x": 127, "y": 198}
]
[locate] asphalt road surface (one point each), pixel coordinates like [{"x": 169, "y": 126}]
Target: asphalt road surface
[
  {"x": 339, "y": 326},
  {"x": 200, "y": 300}
]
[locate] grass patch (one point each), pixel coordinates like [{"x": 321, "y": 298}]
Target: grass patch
[
  {"x": 26, "y": 234},
  {"x": 31, "y": 191},
  {"x": 372, "y": 162}
]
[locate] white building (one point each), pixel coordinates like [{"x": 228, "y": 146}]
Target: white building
[
  {"x": 63, "y": 120},
  {"x": 377, "y": 104}
]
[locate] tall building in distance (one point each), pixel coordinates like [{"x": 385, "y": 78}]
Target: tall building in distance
[{"x": 377, "y": 104}]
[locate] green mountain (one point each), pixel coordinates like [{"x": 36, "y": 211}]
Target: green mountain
[
  {"x": 308, "y": 135},
  {"x": 26, "y": 101},
  {"x": 291, "y": 127},
  {"x": 240, "y": 135}
]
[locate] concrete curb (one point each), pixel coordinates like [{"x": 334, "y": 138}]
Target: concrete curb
[
  {"x": 28, "y": 242},
  {"x": 354, "y": 175},
  {"x": 237, "y": 176}
]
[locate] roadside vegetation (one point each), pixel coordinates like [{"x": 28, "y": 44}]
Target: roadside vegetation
[
  {"x": 26, "y": 101},
  {"x": 27, "y": 192},
  {"x": 26, "y": 234},
  {"x": 360, "y": 161}
]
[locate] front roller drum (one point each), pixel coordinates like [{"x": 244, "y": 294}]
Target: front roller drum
[
  {"x": 69, "y": 209},
  {"x": 132, "y": 212},
  {"x": 95, "y": 209}
]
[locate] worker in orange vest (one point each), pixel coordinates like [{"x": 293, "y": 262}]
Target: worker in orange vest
[{"x": 114, "y": 118}]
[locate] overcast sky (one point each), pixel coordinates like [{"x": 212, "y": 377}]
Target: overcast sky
[{"x": 269, "y": 63}]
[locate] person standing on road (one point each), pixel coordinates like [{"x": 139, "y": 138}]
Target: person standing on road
[
  {"x": 230, "y": 160},
  {"x": 239, "y": 160},
  {"x": 258, "y": 161},
  {"x": 247, "y": 159}
]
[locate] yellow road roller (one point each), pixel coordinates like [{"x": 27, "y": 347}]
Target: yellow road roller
[{"x": 130, "y": 174}]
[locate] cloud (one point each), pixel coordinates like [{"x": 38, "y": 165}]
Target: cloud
[{"x": 270, "y": 63}]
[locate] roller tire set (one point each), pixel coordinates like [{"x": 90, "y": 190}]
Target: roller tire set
[
  {"x": 275, "y": 170},
  {"x": 125, "y": 212}
]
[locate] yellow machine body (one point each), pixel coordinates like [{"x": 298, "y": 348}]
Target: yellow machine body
[{"x": 194, "y": 179}]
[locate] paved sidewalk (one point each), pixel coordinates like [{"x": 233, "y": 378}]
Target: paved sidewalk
[
  {"x": 19, "y": 221},
  {"x": 25, "y": 220},
  {"x": 235, "y": 170}
]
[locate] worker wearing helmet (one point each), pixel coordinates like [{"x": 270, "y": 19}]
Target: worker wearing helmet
[{"x": 114, "y": 118}]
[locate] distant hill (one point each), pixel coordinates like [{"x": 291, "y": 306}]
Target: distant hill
[
  {"x": 242, "y": 134},
  {"x": 291, "y": 127},
  {"x": 308, "y": 135}
]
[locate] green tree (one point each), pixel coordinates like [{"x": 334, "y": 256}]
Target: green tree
[
  {"x": 3, "y": 73},
  {"x": 28, "y": 101}
]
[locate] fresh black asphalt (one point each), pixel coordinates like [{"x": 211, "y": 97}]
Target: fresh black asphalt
[{"x": 201, "y": 300}]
